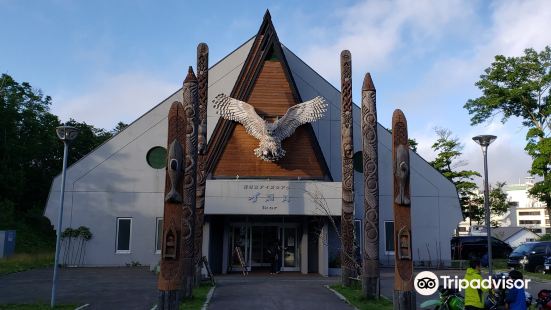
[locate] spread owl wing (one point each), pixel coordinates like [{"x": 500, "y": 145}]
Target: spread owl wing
[
  {"x": 299, "y": 114},
  {"x": 242, "y": 112}
]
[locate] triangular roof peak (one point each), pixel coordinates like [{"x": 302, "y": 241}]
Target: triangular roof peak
[{"x": 266, "y": 44}]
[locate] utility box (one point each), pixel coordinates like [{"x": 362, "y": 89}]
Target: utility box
[{"x": 7, "y": 243}]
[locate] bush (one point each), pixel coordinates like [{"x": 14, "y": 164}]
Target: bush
[
  {"x": 34, "y": 233},
  {"x": 7, "y": 214}
]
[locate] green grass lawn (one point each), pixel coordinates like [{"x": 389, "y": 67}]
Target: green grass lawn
[
  {"x": 534, "y": 275},
  {"x": 501, "y": 265},
  {"x": 355, "y": 297},
  {"x": 198, "y": 299},
  {"x": 537, "y": 276},
  {"x": 21, "y": 262},
  {"x": 36, "y": 307},
  {"x": 463, "y": 264}
]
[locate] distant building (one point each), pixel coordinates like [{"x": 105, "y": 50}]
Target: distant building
[
  {"x": 527, "y": 211},
  {"x": 524, "y": 211},
  {"x": 463, "y": 229},
  {"x": 514, "y": 236}
]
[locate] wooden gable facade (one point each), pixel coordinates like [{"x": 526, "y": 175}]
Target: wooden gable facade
[{"x": 266, "y": 83}]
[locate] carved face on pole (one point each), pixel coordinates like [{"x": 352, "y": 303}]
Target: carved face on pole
[
  {"x": 175, "y": 157},
  {"x": 349, "y": 151},
  {"x": 401, "y": 172}
]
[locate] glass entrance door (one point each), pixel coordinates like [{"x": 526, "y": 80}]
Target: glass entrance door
[
  {"x": 255, "y": 240},
  {"x": 263, "y": 240},
  {"x": 240, "y": 237},
  {"x": 290, "y": 249}
]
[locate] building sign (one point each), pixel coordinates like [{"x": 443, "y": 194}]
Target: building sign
[
  {"x": 267, "y": 197},
  {"x": 272, "y": 197}
]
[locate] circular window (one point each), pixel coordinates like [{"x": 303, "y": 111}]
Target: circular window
[
  {"x": 357, "y": 162},
  {"x": 156, "y": 157}
]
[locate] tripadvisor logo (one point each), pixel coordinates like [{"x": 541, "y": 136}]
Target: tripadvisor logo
[{"x": 427, "y": 283}]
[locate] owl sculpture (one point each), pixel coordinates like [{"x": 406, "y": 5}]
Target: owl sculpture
[{"x": 269, "y": 134}]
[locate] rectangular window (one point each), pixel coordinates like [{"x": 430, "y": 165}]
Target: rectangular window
[
  {"x": 389, "y": 236},
  {"x": 158, "y": 235},
  {"x": 513, "y": 203},
  {"x": 124, "y": 233},
  {"x": 529, "y": 222},
  {"x": 529, "y": 213}
]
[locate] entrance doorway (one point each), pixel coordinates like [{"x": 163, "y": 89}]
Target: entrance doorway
[
  {"x": 263, "y": 240},
  {"x": 290, "y": 249},
  {"x": 255, "y": 240}
]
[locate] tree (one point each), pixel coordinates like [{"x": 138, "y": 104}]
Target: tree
[
  {"x": 89, "y": 137},
  {"x": 120, "y": 127},
  {"x": 475, "y": 208},
  {"x": 497, "y": 201},
  {"x": 28, "y": 146},
  {"x": 30, "y": 157},
  {"x": 413, "y": 144},
  {"x": 520, "y": 87},
  {"x": 447, "y": 161}
]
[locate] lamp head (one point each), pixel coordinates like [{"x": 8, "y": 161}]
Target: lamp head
[
  {"x": 484, "y": 140},
  {"x": 66, "y": 133}
]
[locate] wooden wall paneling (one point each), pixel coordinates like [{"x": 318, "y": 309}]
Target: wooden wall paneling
[{"x": 271, "y": 96}]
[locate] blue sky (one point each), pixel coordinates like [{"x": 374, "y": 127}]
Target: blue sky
[{"x": 105, "y": 61}]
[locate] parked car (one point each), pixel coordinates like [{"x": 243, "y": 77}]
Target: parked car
[
  {"x": 530, "y": 256},
  {"x": 468, "y": 247}
]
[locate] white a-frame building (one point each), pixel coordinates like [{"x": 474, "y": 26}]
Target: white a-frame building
[{"x": 118, "y": 189}]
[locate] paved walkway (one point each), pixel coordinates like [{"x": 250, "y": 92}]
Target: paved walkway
[
  {"x": 102, "y": 288},
  {"x": 136, "y": 288},
  {"x": 282, "y": 291}
]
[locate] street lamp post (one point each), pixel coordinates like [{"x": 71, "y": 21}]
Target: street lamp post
[
  {"x": 484, "y": 141},
  {"x": 65, "y": 134}
]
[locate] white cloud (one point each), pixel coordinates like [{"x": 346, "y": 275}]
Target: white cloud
[
  {"x": 520, "y": 24},
  {"x": 122, "y": 97},
  {"x": 507, "y": 160},
  {"x": 374, "y": 30},
  {"x": 514, "y": 26}
]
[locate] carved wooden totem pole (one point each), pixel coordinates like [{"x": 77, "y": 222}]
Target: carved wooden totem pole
[
  {"x": 347, "y": 151},
  {"x": 404, "y": 295},
  {"x": 190, "y": 175},
  {"x": 203, "y": 81},
  {"x": 370, "y": 274},
  {"x": 170, "y": 276}
]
